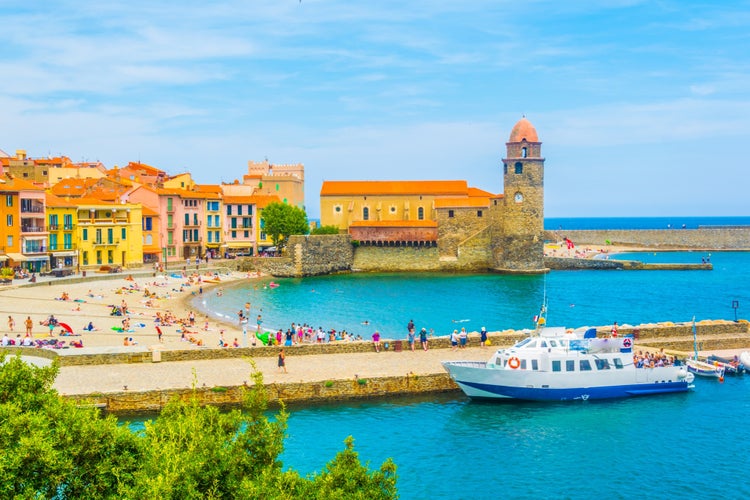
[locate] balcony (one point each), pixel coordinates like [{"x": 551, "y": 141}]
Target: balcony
[
  {"x": 32, "y": 210},
  {"x": 34, "y": 250},
  {"x": 106, "y": 243},
  {"x": 28, "y": 228}
]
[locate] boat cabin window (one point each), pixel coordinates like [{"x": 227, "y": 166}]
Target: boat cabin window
[
  {"x": 584, "y": 365},
  {"x": 523, "y": 342},
  {"x": 534, "y": 364},
  {"x": 553, "y": 343},
  {"x": 556, "y": 365},
  {"x": 570, "y": 365},
  {"x": 602, "y": 364},
  {"x": 618, "y": 363},
  {"x": 523, "y": 364},
  {"x": 543, "y": 343}
]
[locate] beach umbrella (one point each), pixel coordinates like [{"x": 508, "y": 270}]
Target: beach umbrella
[{"x": 66, "y": 327}]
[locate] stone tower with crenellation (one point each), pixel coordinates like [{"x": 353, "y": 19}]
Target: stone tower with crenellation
[{"x": 518, "y": 224}]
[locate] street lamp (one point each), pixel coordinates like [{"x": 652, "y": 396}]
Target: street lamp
[{"x": 735, "y": 306}]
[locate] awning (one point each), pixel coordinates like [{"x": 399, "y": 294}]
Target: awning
[
  {"x": 37, "y": 258},
  {"x": 65, "y": 254},
  {"x": 3, "y": 258},
  {"x": 19, "y": 257}
]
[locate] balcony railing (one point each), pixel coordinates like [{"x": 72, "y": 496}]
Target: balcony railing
[
  {"x": 104, "y": 220},
  {"x": 32, "y": 210},
  {"x": 32, "y": 229},
  {"x": 106, "y": 243},
  {"x": 31, "y": 250}
]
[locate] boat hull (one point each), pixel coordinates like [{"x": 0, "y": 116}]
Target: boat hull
[{"x": 480, "y": 382}]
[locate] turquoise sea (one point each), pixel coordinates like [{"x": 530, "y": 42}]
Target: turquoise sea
[{"x": 445, "y": 446}]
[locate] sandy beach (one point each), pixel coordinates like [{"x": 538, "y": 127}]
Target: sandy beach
[{"x": 93, "y": 302}]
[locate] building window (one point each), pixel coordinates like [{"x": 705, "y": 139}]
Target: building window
[
  {"x": 99, "y": 257},
  {"x": 85, "y": 258},
  {"x": 110, "y": 259},
  {"x": 246, "y": 234},
  {"x": 187, "y": 219},
  {"x": 229, "y": 209},
  {"x": 147, "y": 224},
  {"x": 124, "y": 233},
  {"x": 420, "y": 213},
  {"x": 9, "y": 219},
  {"x": 169, "y": 204},
  {"x": 365, "y": 213},
  {"x": 479, "y": 213},
  {"x": 8, "y": 200},
  {"x": 505, "y": 168},
  {"x": 519, "y": 167},
  {"x": 234, "y": 234},
  {"x": 9, "y": 241},
  {"x": 170, "y": 238},
  {"x": 337, "y": 208},
  {"x": 523, "y": 152},
  {"x": 393, "y": 209},
  {"x": 85, "y": 234},
  {"x": 451, "y": 214},
  {"x": 239, "y": 209}
]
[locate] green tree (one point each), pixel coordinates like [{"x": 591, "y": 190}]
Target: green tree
[
  {"x": 51, "y": 448},
  {"x": 326, "y": 230},
  {"x": 281, "y": 221}
]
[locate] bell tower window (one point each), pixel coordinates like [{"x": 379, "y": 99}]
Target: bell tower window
[
  {"x": 524, "y": 152},
  {"x": 519, "y": 167},
  {"x": 366, "y": 213}
]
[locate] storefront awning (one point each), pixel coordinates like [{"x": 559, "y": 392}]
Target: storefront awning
[
  {"x": 17, "y": 257},
  {"x": 37, "y": 258},
  {"x": 65, "y": 254},
  {"x": 3, "y": 258}
]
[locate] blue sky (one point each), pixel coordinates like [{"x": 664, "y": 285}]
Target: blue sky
[{"x": 642, "y": 106}]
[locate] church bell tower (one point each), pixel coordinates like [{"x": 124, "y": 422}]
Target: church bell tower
[{"x": 519, "y": 246}]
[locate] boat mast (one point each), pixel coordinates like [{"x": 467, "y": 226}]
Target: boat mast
[
  {"x": 541, "y": 318},
  {"x": 695, "y": 341}
]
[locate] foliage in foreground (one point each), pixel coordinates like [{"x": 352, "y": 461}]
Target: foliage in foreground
[
  {"x": 281, "y": 221},
  {"x": 49, "y": 448},
  {"x": 326, "y": 230}
]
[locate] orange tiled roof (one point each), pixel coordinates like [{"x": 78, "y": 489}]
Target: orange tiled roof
[
  {"x": 434, "y": 188},
  {"x": 55, "y": 201},
  {"x": 11, "y": 183},
  {"x": 148, "y": 211},
  {"x": 480, "y": 192},
  {"x": 262, "y": 200},
  {"x": 394, "y": 223},
  {"x": 238, "y": 200},
  {"x": 72, "y": 187}
]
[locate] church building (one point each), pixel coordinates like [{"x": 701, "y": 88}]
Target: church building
[{"x": 449, "y": 222}]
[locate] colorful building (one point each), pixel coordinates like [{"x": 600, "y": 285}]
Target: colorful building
[{"x": 62, "y": 224}]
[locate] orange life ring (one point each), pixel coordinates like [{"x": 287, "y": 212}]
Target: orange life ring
[{"x": 514, "y": 362}]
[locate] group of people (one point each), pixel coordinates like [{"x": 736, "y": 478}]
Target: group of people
[{"x": 652, "y": 359}]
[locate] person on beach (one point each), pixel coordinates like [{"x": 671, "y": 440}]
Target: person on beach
[
  {"x": 614, "y": 329},
  {"x": 411, "y": 337},
  {"x": 260, "y": 322},
  {"x": 483, "y": 338},
  {"x": 282, "y": 361},
  {"x": 29, "y": 325},
  {"x": 11, "y": 323},
  {"x": 463, "y": 337},
  {"x": 423, "y": 338},
  {"x": 454, "y": 340},
  {"x": 376, "y": 340}
]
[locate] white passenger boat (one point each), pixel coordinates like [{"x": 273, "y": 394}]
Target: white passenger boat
[{"x": 557, "y": 365}]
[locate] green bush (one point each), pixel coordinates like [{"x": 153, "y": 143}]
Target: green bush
[{"x": 325, "y": 230}]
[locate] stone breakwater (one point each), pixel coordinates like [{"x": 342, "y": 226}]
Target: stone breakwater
[
  {"x": 704, "y": 238},
  {"x": 320, "y": 372}
]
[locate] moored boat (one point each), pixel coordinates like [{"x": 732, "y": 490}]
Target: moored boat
[
  {"x": 558, "y": 365},
  {"x": 704, "y": 368}
]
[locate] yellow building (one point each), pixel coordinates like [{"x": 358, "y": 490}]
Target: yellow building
[
  {"x": 345, "y": 203},
  {"x": 285, "y": 182},
  {"x": 109, "y": 233},
  {"x": 62, "y": 222}
]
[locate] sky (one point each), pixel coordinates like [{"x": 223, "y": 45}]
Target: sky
[{"x": 643, "y": 107}]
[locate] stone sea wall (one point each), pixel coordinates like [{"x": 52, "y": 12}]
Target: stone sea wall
[
  {"x": 708, "y": 238},
  {"x": 309, "y": 255},
  {"x": 291, "y": 392}
]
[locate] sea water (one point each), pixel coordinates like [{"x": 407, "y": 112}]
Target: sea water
[{"x": 363, "y": 303}]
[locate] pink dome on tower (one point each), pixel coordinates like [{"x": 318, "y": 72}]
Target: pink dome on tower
[{"x": 523, "y": 130}]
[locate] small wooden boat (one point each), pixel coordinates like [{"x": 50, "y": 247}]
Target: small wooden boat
[{"x": 704, "y": 368}]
